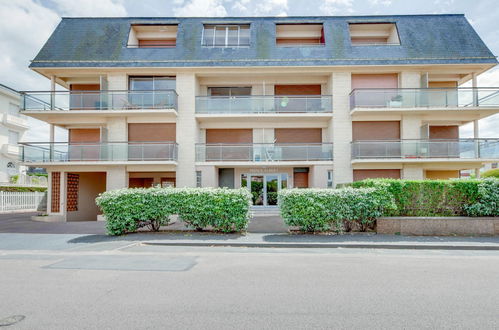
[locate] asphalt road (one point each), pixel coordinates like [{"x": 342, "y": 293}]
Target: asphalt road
[{"x": 126, "y": 285}]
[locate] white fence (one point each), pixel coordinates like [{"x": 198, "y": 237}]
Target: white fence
[{"x": 13, "y": 201}]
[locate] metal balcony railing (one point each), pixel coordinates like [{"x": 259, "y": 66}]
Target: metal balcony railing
[
  {"x": 417, "y": 149},
  {"x": 98, "y": 100},
  {"x": 264, "y": 104},
  {"x": 264, "y": 152},
  {"x": 41, "y": 152},
  {"x": 424, "y": 97}
]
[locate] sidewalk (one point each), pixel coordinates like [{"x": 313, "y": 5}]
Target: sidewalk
[{"x": 270, "y": 240}]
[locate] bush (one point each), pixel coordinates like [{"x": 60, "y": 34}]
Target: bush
[
  {"x": 126, "y": 210},
  {"x": 488, "y": 200},
  {"x": 315, "y": 210},
  {"x": 427, "y": 197},
  {"x": 494, "y": 173},
  {"x": 23, "y": 189}
]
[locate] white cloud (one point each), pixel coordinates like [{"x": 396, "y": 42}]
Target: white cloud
[
  {"x": 201, "y": 8},
  {"x": 380, "y": 2},
  {"x": 261, "y": 7},
  {"x": 335, "y": 7},
  {"x": 104, "y": 8}
]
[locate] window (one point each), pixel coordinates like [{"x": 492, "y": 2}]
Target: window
[
  {"x": 13, "y": 137},
  {"x": 198, "y": 179},
  {"x": 299, "y": 35},
  {"x": 13, "y": 109},
  {"x": 152, "y": 36},
  {"x": 226, "y": 35},
  {"x": 151, "y": 83},
  {"x": 374, "y": 34},
  {"x": 229, "y": 91},
  {"x": 330, "y": 182}
]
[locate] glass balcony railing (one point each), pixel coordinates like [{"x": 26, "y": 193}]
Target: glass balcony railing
[
  {"x": 40, "y": 152},
  {"x": 424, "y": 97},
  {"x": 264, "y": 152},
  {"x": 415, "y": 149},
  {"x": 98, "y": 100},
  {"x": 263, "y": 104}
]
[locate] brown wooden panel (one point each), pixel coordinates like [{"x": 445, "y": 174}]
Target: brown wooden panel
[
  {"x": 373, "y": 174},
  {"x": 163, "y": 43},
  {"x": 84, "y": 87},
  {"x": 444, "y": 132},
  {"x": 151, "y": 132},
  {"x": 140, "y": 182},
  {"x": 300, "y": 179},
  {"x": 297, "y": 41},
  {"x": 442, "y": 84},
  {"x": 229, "y": 136},
  {"x": 84, "y": 135},
  {"x": 297, "y": 90},
  {"x": 442, "y": 175},
  {"x": 375, "y": 80},
  {"x": 298, "y": 135},
  {"x": 375, "y": 130}
]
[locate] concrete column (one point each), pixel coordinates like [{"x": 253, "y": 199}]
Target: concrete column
[
  {"x": 187, "y": 130},
  {"x": 51, "y": 140},
  {"x": 117, "y": 81},
  {"x": 412, "y": 172},
  {"x": 116, "y": 178},
  {"x": 209, "y": 176},
  {"x": 475, "y": 90},
  {"x": 318, "y": 176},
  {"x": 52, "y": 94},
  {"x": 476, "y": 136},
  {"x": 62, "y": 200},
  {"x": 341, "y": 84},
  {"x": 409, "y": 79},
  {"x": 477, "y": 173}
]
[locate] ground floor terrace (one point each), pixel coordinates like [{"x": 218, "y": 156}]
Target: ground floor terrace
[{"x": 73, "y": 187}]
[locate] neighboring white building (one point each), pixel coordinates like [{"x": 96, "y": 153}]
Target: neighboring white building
[{"x": 13, "y": 125}]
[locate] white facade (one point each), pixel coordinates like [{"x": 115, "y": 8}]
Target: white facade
[{"x": 13, "y": 125}]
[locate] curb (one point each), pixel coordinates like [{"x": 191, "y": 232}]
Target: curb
[{"x": 330, "y": 245}]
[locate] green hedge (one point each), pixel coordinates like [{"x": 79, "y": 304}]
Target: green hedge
[
  {"x": 494, "y": 173},
  {"x": 487, "y": 203},
  {"x": 126, "y": 210},
  {"x": 22, "y": 189},
  {"x": 437, "y": 197},
  {"x": 315, "y": 210}
]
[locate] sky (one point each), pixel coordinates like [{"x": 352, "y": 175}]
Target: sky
[{"x": 25, "y": 25}]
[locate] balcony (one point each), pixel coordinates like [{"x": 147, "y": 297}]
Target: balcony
[
  {"x": 264, "y": 152},
  {"x": 98, "y": 100},
  {"x": 414, "y": 99},
  {"x": 10, "y": 150},
  {"x": 63, "y": 152},
  {"x": 421, "y": 150},
  {"x": 16, "y": 122},
  {"x": 271, "y": 104}
]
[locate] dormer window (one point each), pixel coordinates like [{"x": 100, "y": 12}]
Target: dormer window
[
  {"x": 299, "y": 35},
  {"x": 374, "y": 34},
  {"x": 152, "y": 36},
  {"x": 231, "y": 35}
]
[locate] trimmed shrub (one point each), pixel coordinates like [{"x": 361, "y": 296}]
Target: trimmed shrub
[
  {"x": 126, "y": 210},
  {"x": 427, "y": 197},
  {"x": 315, "y": 210},
  {"x": 488, "y": 200},
  {"x": 494, "y": 173},
  {"x": 23, "y": 189},
  {"x": 225, "y": 210}
]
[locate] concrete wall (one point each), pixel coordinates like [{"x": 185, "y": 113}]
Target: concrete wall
[
  {"x": 438, "y": 226},
  {"x": 90, "y": 185}
]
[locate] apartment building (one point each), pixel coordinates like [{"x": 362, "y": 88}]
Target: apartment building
[
  {"x": 261, "y": 102},
  {"x": 13, "y": 125}
]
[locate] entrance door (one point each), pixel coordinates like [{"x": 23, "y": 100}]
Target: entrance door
[{"x": 264, "y": 187}]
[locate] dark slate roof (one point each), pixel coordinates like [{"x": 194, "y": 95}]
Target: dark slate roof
[{"x": 424, "y": 39}]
